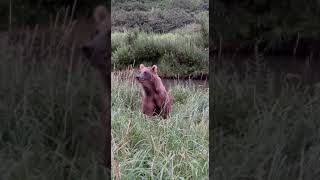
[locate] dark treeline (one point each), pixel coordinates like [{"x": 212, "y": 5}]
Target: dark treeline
[
  {"x": 287, "y": 27},
  {"x": 31, "y": 12}
]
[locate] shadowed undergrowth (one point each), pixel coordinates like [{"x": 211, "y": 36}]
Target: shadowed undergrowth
[
  {"x": 50, "y": 104},
  {"x": 265, "y": 127}
]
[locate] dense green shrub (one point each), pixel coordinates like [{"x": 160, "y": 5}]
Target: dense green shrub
[{"x": 176, "y": 54}]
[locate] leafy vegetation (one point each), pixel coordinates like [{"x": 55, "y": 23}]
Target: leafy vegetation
[{"x": 175, "y": 54}]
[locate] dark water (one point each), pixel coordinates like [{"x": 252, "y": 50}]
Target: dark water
[{"x": 304, "y": 68}]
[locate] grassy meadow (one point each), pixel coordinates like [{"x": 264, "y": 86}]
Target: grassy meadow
[
  {"x": 175, "y": 38},
  {"x": 151, "y": 148}
]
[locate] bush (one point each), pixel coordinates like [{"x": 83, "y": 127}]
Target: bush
[
  {"x": 174, "y": 53},
  {"x": 117, "y": 40}
]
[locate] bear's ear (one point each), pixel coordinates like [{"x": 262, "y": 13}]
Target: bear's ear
[
  {"x": 154, "y": 69},
  {"x": 141, "y": 66}
]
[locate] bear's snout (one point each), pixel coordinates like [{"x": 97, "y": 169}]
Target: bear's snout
[{"x": 139, "y": 78}]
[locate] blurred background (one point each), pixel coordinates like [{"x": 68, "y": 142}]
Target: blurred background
[
  {"x": 50, "y": 97},
  {"x": 264, "y": 77}
]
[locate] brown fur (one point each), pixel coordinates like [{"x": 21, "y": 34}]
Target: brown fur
[
  {"x": 156, "y": 100},
  {"x": 98, "y": 52}
]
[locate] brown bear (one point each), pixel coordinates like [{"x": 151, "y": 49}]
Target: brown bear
[
  {"x": 98, "y": 51},
  {"x": 156, "y": 100}
]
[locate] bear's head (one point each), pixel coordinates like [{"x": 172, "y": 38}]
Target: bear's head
[
  {"x": 147, "y": 75},
  {"x": 98, "y": 49}
]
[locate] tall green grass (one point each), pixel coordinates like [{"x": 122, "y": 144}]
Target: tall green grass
[
  {"x": 266, "y": 127},
  {"x": 50, "y": 103},
  {"x": 150, "y": 148}
]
